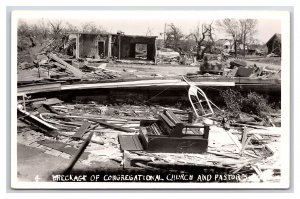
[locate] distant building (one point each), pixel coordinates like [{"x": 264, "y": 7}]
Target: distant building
[
  {"x": 225, "y": 44},
  {"x": 120, "y": 46},
  {"x": 274, "y": 44}
]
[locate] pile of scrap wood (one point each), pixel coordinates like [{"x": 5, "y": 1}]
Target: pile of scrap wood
[
  {"x": 239, "y": 68},
  {"x": 53, "y": 65},
  {"x": 100, "y": 72},
  {"x": 250, "y": 151},
  {"x": 53, "y": 68}
]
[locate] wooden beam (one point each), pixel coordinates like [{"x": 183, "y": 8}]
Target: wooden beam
[
  {"x": 69, "y": 67},
  {"x": 41, "y": 124},
  {"x": 78, "y": 154},
  {"x": 113, "y": 126},
  {"x": 144, "y": 83},
  {"x": 81, "y": 131},
  {"x": 40, "y": 88}
]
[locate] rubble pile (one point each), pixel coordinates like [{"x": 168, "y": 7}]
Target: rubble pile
[
  {"x": 236, "y": 68},
  {"x": 51, "y": 67},
  {"x": 251, "y": 150}
]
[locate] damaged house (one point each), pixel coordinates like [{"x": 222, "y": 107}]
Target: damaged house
[
  {"x": 119, "y": 46},
  {"x": 274, "y": 44}
]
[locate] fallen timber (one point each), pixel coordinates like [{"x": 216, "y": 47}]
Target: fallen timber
[
  {"x": 144, "y": 83},
  {"x": 254, "y": 84}
]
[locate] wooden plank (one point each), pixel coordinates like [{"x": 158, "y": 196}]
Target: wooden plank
[
  {"x": 81, "y": 131},
  {"x": 223, "y": 154},
  {"x": 235, "y": 140},
  {"x": 143, "y": 83},
  {"x": 41, "y": 124},
  {"x": 60, "y": 65},
  {"x": 69, "y": 67},
  {"x": 78, "y": 154},
  {"x": 40, "y": 88},
  {"x": 113, "y": 126},
  {"x": 167, "y": 120},
  {"x": 258, "y": 81}
]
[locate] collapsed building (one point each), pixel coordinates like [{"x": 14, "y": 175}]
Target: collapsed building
[
  {"x": 274, "y": 44},
  {"x": 120, "y": 46}
]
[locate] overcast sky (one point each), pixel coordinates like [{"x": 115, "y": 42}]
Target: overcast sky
[{"x": 138, "y": 22}]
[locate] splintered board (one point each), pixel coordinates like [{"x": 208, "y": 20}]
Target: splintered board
[
  {"x": 130, "y": 143},
  {"x": 82, "y": 130}
]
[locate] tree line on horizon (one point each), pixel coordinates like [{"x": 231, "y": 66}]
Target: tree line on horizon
[{"x": 201, "y": 40}]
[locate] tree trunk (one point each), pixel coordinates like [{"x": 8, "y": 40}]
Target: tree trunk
[
  {"x": 198, "y": 52},
  {"x": 244, "y": 45},
  {"x": 203, "y": 51},
  {"x": 235, "y": 48}
]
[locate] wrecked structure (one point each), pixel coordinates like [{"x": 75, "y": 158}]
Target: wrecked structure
[
  {"x": 91, "y": 126},
  {"x": 120, "y": 46},
  {"x": 274, "y": 44},
  {"x": 90, "y": 135}
]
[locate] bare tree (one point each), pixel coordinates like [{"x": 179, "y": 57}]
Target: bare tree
[
  {"x": 203, "y": 34},
  {"x": 91, "y": 27},
  {"x": 23, "y": 28},
  {"x": 149, "y": 32},
  {"x": 174, "y": 35},
  {"x": 232, "y": 28},
  {"x": 247, "y": 31},
  {"x": 43, "y": 28},
  {"x": 57, "y": 28},
  {"x": 241, "y": 30},
  {"x": 24, "y": 36},
  {"x": 70, "y": 28}
]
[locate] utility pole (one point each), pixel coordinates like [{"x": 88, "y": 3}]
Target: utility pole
[{"x": 165, "y": 35}]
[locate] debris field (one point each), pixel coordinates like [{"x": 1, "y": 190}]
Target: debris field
[
  {"x": 243, "y": 148},
  {"x": 242, "y": 136}
]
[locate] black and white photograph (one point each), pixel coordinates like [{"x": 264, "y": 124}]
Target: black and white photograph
[{"x": 150, "y": 98}]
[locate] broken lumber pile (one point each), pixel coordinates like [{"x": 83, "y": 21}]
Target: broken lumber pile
[
  {"x": 37, "y": 122},
  {"x": 69, "y": 67}
]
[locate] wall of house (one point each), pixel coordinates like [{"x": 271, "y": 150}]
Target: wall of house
[
  {"x": 128, "y": 46},
  {"x": 88, "y": 45},
  {"x": 115, "y": 46}
]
